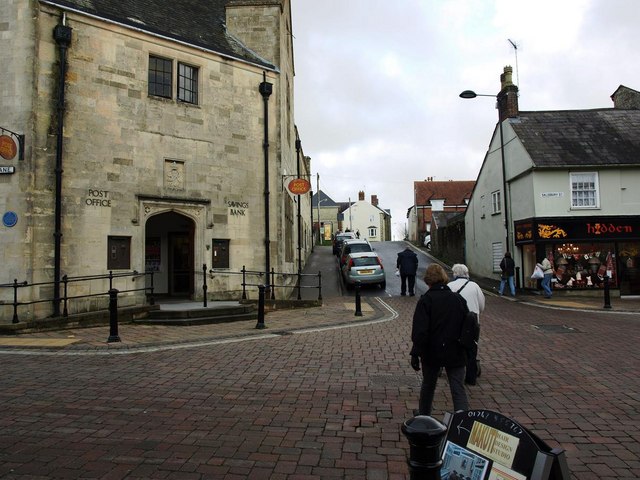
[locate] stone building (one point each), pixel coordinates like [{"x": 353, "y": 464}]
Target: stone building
[{"x": 157, "y": 137}]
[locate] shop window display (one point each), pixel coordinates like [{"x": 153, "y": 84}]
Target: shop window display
[{"x": 583, "y": 265}]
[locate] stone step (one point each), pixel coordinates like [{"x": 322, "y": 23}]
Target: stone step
[
  {"x": 177, "y": 314},
  {"x": 198, "y": 320}
]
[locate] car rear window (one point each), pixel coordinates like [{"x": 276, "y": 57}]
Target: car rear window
[
  {"x": 365, "y": 261},
  {"x": 360, "y": 247}
]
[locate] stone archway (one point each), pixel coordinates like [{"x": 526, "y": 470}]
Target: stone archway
[{"x": 169, "y": 251}]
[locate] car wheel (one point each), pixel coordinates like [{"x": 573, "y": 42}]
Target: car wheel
[
  {"x": 429, "y": 246},
  {"x": 383, "y": 285}
]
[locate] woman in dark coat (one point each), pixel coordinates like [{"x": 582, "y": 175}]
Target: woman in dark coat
[{"x": 437, "y": 323}]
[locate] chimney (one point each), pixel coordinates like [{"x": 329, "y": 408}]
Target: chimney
[
  {"x": 374, "y": 200},
  {"x": 625, "y": 98},
  {"x": 508, "y": 96},
  {"x": 360, "y": 195}
]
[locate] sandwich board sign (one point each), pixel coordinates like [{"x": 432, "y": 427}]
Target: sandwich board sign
[{"x": 486, "y": 445}]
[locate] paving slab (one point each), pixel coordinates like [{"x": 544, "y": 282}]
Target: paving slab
[{"x": 318, "y": 394}]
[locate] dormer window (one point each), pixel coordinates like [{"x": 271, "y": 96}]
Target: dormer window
[{"x": 437, "y": 205}]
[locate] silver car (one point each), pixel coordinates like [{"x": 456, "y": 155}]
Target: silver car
[
  {"x": 352, "y": 245},
  {"x": 363, "y": 267}
]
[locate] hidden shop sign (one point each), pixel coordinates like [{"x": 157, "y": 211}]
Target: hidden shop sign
[{"x": 485, "y": 445}]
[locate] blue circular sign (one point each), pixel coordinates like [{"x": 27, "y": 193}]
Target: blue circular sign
[{"x": 9, "y": 219}]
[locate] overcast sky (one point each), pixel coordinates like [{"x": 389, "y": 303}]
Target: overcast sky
[{"x": 377, "y": 82}]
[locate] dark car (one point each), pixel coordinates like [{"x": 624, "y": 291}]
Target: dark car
[
  {"x": 339, "y": 238},
  {"x": 352, "y": 246}
]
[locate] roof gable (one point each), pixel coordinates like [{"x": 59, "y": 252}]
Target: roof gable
[
  {"x": 580, "y": 138},
  {"x": 195, "y": 22},
  {"x": 367, "y": 206},
  {"x": 453, "y": 192},
  {"x": 325, "y": 200}
]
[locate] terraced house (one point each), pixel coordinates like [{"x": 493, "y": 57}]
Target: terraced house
[
  {"x": 149, "y": 136},
  {"x": 561, "y": 184}
]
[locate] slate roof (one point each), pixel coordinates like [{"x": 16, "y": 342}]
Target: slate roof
[
  {"x": 325, "y": 200},
  {"x": 200, "y": 23},
  {"x": 452, "y": 192},
  {"x": 584, "y": 138}
]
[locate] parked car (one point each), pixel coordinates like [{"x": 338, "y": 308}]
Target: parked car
[
  {"x": 363, "y": 267},
  {"x": 339, "y": 238},
  {"x": 352, "y": 246},
  {"x": 427, "y": 242}
]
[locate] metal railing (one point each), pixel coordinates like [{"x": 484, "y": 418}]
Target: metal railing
[
  {"x": 248, "y": 277},
  {"x": 67, "y": 282}
]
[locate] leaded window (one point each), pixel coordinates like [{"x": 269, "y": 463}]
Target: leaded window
[
  {"x": 187, "y": 83},
  {"x": 160, "y": 77}
]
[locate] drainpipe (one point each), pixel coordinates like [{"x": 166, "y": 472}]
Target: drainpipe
[
  {"x": 311, "y": 208},
  {"x": 62, "y": 36},
  {"x": 266, "y": 89},
  {"x": 298, "y": 147}
]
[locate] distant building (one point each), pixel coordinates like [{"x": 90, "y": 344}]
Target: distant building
[
  {"x": 325, "y": 217},
  {"x": 368, "y": 219},
  {"x": 571, "y": 195},
  {"x": 435, "y": 196}
]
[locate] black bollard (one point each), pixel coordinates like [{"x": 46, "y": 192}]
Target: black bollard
[
  {"x": 358, "y": 303},
  {"x": 113, "y": 316},
  {"x": 607, "y": 293},
  {"x": 425, "y": 435},
  {"x": 260, "y": 325},
  {"x": 204, "y": 283}
]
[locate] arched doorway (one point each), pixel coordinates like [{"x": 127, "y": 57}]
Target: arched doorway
[{"x": 169, "y": 252}]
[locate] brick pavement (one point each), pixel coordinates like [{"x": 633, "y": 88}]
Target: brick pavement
[{"x": 297, "y": 402}]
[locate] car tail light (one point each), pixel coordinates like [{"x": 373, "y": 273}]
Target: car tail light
[{"x": 380, "y": 263}]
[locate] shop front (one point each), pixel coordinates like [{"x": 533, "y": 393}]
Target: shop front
[{"x": 582, "y": 251}]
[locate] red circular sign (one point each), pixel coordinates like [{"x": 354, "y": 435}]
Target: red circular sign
[
  {"x": 299, "y": 186},
  {"x": 8, "y": 148}
]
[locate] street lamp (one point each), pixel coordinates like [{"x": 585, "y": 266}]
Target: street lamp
[
  {"x": 318, "y": 202},
  {"x": 468, "y": 94}
]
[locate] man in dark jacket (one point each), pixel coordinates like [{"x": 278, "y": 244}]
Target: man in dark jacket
[
  {"x": 407, "y": 263},
  {"x": 508, "y": 268},
  {"x": 437, "y": 324}
]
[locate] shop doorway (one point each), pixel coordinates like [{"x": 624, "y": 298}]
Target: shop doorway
[
  {"x": 180, "y": 264},
  {"x": 629, "y": 268},
  {"x": 169, "y": 253}
]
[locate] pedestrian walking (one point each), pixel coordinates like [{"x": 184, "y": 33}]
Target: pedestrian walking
[
  {"x": 547, "y": 270},
  {"x": 472, "y": 293},
  {"x": 407, "y": 265},
  {"x": 437, "y": 323},
  {"x": 508, "y": 267}
]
